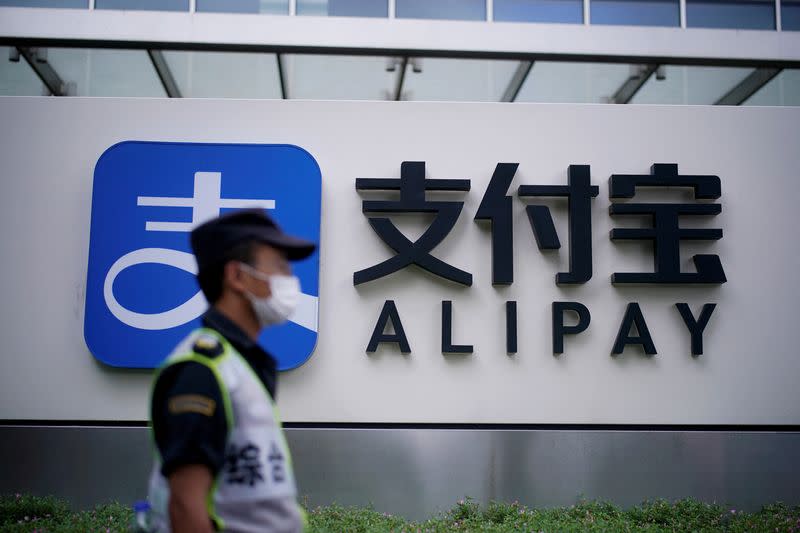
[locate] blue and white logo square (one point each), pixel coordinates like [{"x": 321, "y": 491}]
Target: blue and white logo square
[{"x": 142, "y": 297}]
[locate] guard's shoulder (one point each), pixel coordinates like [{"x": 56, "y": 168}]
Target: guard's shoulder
[{"x": 207, "y": 345}]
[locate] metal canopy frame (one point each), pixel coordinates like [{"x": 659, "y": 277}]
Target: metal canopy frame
[
  {"x": 517, "y": 81},
  {"x": 164, "y": 73},
  {"x": 401, "y": 67},
  {"x": 644, "y": 45},
  {"x": 33, "y": 30},
  {"x": 282, "y": 77},
  {"x": 37, "y": 59},
  {"x": 748, "y": 86},
  {"x": 631, "y": 86}
]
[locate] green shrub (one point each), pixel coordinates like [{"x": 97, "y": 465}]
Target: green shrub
[
  {"x": 23, "y": 507},
  {"x": 28, "y": 514}
]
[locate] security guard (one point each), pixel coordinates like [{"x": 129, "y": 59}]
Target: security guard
[{"x": 222, "y": 461}]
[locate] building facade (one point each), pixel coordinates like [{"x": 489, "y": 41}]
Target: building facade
[{"x": 536, "y": 370}]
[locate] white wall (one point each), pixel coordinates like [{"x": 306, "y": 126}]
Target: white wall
[{"x": 747, "y": 375}]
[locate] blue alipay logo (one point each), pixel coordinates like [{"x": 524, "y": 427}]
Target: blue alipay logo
[{"x": 142, "y": 298}]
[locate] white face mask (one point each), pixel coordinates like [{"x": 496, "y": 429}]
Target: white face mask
[{"x": 281, "y": 303}]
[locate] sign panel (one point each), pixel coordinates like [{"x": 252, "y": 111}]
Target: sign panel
[
  {"x": 141, "y": 293},
  {"x": 491, "y": 263}
]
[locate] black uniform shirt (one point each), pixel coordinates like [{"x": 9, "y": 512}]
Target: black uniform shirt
[{"x": 187, "y": 410}]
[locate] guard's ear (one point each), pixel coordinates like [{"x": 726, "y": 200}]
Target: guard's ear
[{"x": 232, "y": 277}]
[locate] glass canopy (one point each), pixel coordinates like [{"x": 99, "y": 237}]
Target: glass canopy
[
  {"x": 225, "y": 74},
  {"x": 321, "y": 77},
  {"x": 783, "y": 89},
  {"x": 585, "y": 83},
  {"x": 106, "y": 72},
  {"x": 17, "y": 78},
  {"x": 473, "y": 80},
  {"x": 205, "y": 74},
  {"x": 690, "y": 85}
]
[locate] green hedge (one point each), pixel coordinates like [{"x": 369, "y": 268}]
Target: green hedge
[{"x": 24, "y": 513}]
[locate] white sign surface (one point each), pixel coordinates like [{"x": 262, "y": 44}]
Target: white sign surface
[{"x": 746, "y": 375}]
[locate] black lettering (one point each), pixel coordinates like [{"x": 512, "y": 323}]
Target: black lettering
[
  {"x": 559, "y": 329},
  {"x": 389, "y": 315},
  {"x": 633, "y": 316},
  {"x": 696, "y": 327},
  {"x": 511, "y": 327},
  {"x": 447, "y": 331}
]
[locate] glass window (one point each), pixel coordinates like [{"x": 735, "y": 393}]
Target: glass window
[
  {"x": 740, "y": 14},
  {"x": 790, "y": 15},
  {"x": 46, "y": 3},
  {"x": 636, "y": 12},
  {"x": 690, "y": 85},
  {"x": 268, "y": 7},
  {"x": 783, "y": 89},
  {"x": 343, "y": 8},
  {"x": 17, "y": 78},
  {"x": 441, "y": 9},
  {"x": 152, "y": 5},
  {"x": 583, "y": 83},
  {"x": 324, "y": 77},
  {"x": 106, "y": 72},
  {"x": 225, "y": 74},
  {"x": 473, "y": 80},
  {"x": 566, "y": 11}
]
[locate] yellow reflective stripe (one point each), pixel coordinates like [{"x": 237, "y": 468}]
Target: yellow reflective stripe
[
  {"x": 208, "y": 363},
  {"x": 303, "y": 516},
  {"x": 277, "y": 418},
  {"x": 211, "y": 364},
  {"x": 219, "y": 523},
  {"x": 275, "y": 414}
]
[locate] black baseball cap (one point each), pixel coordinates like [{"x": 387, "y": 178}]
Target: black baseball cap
[{"x": 213, "y": 239}]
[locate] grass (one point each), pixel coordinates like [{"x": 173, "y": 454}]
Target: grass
[{"x": 24, "y": 513}]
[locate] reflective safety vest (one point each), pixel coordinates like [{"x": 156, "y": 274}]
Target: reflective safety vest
[{"x": 255, "y": 489}]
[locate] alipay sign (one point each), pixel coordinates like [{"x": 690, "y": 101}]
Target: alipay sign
[
  {"x": 141, "y": 295},
  {"x": 480, "y": 262}
]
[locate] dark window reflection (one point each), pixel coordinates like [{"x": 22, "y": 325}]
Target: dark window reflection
[
  {"x": 45, "y": 3},
  {"x": 267, "y": 7},
  {"x": 636, "y": 12},
  {"x": 564, "y": 11},
  {"x": 790, "y": 16},
  {"x": 739, "y": 14},
  {"x": 441, "y": 9},
  {"x": 344, "y": 8}
]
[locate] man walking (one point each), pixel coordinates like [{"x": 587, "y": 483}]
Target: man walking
[{"x": 222, "y": 460}]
